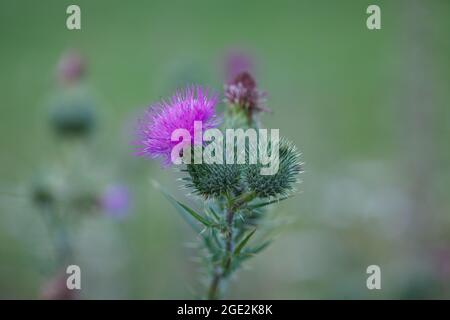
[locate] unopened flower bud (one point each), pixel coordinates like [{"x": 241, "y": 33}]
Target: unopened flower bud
[{"x": 75, "y": 119}]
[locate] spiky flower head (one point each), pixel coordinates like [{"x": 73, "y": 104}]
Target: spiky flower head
[
  {"x": 154, "y": 129},
  {"x": 243, "y": 92},
  {"x": 280, "y": 184},
  {"x": 213, "y": 180}
]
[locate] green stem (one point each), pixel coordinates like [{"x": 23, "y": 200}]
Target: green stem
[
  {"x": 214, "y": 287},
  {"x": 59, "y": 234},
  {"x": 220, "y": 275}
]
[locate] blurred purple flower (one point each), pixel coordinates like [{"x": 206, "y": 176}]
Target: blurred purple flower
[
  {"x": 71, "y": 67},
  {"x": 56, "y": 288},
  {"x": 154, "y": 129},
  {"x": 442, "y": 260},
  {"x": 237, "y": 62},
  {"x": 116, "y": 201}
]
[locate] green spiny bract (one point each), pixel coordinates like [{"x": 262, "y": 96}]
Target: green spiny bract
[
  {"x": 281, "y": 183},
  {"x": 213, "y": 180}
]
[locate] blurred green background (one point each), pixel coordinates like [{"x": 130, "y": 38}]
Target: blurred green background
[{"x": 369, "y": 110}]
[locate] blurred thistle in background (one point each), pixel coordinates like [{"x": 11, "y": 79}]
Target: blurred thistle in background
[
  {"x": 66, "y": 192},
  {"x": 73, "y": 113}
]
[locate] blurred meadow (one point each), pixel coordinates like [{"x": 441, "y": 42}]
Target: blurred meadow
[{"x": 368, "y": 109}]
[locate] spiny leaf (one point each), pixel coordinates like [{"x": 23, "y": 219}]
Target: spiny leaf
[
  {"x": 214, "y": 213},
  {"x": 194, "y": 214},
  {"x": 263, "y": 204},
  {"x": 185, "y": 217},
  {"x": 247, "y": 254},
  {"x": 183, "y": 209},
  {"x": 243, "y": 242},
  {"x": 261, "y": 247}
]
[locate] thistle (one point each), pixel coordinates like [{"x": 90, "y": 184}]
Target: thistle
[
  {"x": 155, "y": 127},
  {"x": 234, "y": 196},
  {"x": 64, "y": 193},
  {"x": 72, "y": 114}
]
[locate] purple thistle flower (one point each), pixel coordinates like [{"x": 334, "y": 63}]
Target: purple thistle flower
[
  {"x": 116, "y": 201},
  {"x": 154, "y": 129},
  {"x": 243, "y": 92}
]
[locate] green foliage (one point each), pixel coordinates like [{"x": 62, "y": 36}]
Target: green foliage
[
  {"x": 186, "y": 212},
  {"x": 242, "y": 244},
  {"x": 266, "y": 203}
]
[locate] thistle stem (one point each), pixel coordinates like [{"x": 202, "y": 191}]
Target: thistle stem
[
  {"x": 220, "y": 275},
  {"x": 214, "y": 287},
  {"x": 60, "y": 235}
]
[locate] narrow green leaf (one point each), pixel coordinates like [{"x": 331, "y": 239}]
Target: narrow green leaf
[
  {"x": 194, "y": 214},
  {"x": 263, "y": 204},
  {"x": 216, "y": 216},
  {"x": 247, "y": 254},
  {"x": 183, "y": 209},
  {"x": 260, "y": 247},
  {"x": 243, "y": 242},
  {"x": 182, "y": 213}
]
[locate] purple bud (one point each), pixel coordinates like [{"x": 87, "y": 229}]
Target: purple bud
[{"x": 243, "y": 92}]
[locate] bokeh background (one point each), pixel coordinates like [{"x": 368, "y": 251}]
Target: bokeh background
[{"x": 369, "y": 110}]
